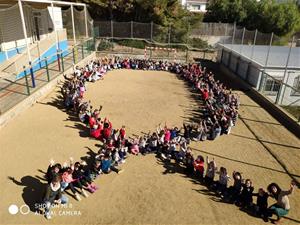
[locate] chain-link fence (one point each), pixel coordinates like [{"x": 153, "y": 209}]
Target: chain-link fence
[
  {"x": 201, "y": 36},
  {"x": 11, "y": 25},
  {"x": 158, "y": 33},
  {"x": 267, "y": 64},
  {"x": 134, "y": 30},
  {"x": 112, "y": 29},
  {"x": 123, "y": 37},
  {"x": 242, "y": 36},
  {"x": 24, "y": 72},
  {"x": 43, "y": 38},
  {"x": 213, "y": 29},
  {"x": 80, "y": 24},
  {"x": 39, "y": 25}
]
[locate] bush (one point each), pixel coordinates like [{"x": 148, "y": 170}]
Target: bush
[
  {"x": 131, "y": 43},
  {"x": 104, "y": 45},
  {"x": 199, "y": 43}
]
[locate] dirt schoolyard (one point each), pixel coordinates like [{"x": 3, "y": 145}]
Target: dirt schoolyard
[{"x": 148, "y": 191}]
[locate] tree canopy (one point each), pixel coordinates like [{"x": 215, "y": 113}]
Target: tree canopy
[
  {"x": 162, "y": 12},
  {"x": 167, "y": 13},
  {"x": 265, "y": 15}
]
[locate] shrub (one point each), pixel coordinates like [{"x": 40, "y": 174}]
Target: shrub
[
  {"x": 199, "y": 43},
  {"x": 131, "y": 43},
  {"x": 104, "y": 45}
]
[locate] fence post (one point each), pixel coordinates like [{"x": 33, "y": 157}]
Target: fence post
[
  {"x": 111, "y": 29},
  {"x": 284, "y": 75},
  {"x": 58, "y": 61},
  {"x": 226, "y": 29},
  {"x": 62, "y": 62},
  {"x": 39, "y": 54},
  {"x": 254, "y": 42},
  {"x": 151, "y": 32},
  {"x": 99, "y": 30},
  {"x": 188, "y": 33},
  {"x": 262, "y": 80},
  {"x": 88, "y": 47},
  {"x": 112, "y": 34},
  {"x": 73, "y": 54},
  {"x": 131, "y": 34},
  {"x": 47, "y": 70},
  {"x": 16, "y": 44},
  {"x": 268, "y": 53},
  {"x": 131, "y": 29},
  {"x": 169, "y": 40},
  {"x": 32, "y": 75},
  {"x": 234, "y": 28},
  {"x": 26, "y": 80},
  {"x": 243, "y": 36},
  {"x": 94, "y": 44},
  {"x": 82, "y": 51},
  {"x": 187, "y": 55},
  {"x": 187, "y": 42}
]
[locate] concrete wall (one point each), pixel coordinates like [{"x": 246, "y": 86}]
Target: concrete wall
[
  {"x": 37, "y": 95},
  {"x": 254, "y": 76},
  {"x": 276, "y": 111},
  {"x": 225, "y": 58},
  {"x": 244, "y": 69},
  {"x": 233, "y": 62}
]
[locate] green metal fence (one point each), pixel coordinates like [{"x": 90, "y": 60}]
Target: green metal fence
[{"x": 14, "y": 91}]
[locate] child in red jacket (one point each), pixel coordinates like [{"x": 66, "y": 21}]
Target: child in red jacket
[
  {"x": 199, "y": 166},
  {"x": 107, "y": 129}
]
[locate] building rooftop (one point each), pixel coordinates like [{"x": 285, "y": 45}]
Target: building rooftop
[{"x": 277, "y": 57}]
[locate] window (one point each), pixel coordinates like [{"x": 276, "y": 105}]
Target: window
[
  {"x": 296, "y": 86},
  {"x": 196, "y": 7},
  {"x": 272, "y": 86}
]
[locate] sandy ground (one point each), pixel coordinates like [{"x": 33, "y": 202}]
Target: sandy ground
[{"x": 149, "y": 191}]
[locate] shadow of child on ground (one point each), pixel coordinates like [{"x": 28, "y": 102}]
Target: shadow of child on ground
[
  {"x": 33, "y": 190},
  {"x": 172, "y": 167}
]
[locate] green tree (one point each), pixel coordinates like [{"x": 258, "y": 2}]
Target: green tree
[
  {"x": 251, "y": 8},
  {"x": 167, "y": 13},
  {"x": 226, "y": 11},
  {"x": 267, "y": 16},
  {"x": 285, "y": 18},
  {"x": 110, "y": 9}
]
